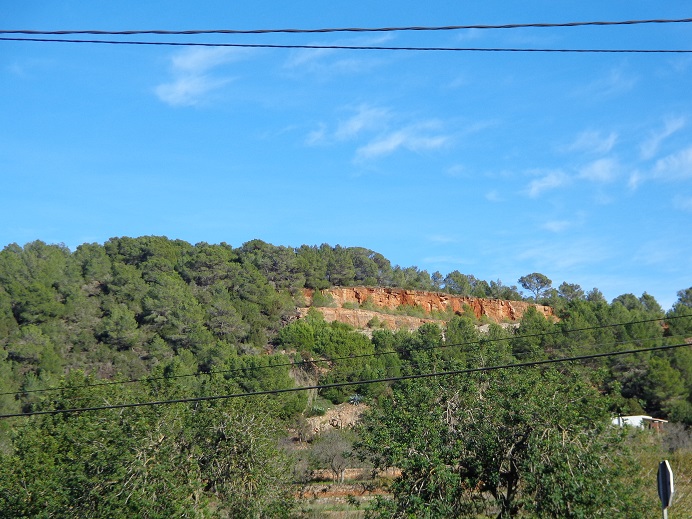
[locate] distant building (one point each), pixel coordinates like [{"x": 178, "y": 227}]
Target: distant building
[{"x": 641, "y": 421}]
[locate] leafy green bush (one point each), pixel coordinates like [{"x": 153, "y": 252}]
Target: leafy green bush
[
  {"x": 321, "y": 299},
  {"x": 315, "y": 410}
]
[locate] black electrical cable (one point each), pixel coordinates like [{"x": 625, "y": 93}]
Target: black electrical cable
[
  {"x": 357, "y": 47},
  {"x": 355, "y": 29},
  {"x": 315, "y": 361},
  {"x": 349, "y": 357},
  {"x": 345, "y": 384}
]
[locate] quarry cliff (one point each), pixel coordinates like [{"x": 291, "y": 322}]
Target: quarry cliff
[{"x": 380, "y": 300}]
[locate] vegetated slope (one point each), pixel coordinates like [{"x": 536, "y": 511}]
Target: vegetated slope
[
  {"x": 135, "y": 305},
  {"x": 199, "y": 320}
]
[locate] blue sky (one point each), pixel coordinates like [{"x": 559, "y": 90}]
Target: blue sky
[{"x": 578, "y": 166}]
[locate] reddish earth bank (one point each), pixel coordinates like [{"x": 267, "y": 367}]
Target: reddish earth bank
[{"x": 391, "y": 298}]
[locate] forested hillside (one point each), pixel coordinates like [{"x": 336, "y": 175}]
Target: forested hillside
[{"x": 151, "y": 319}]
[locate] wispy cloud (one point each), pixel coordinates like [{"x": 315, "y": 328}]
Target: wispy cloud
[
  {"x": 547, "y": 181},
  {"x": 317, "y": 136},
  {"x": 188, "y": 90},
  {"x": 327, "y": 62},
  {"x": 362, "y": 119},
  {"x": 656, "y": 252},
  {"x": 199, "y": 60},
  {"x": 493, "y": 196},
  {"x": 192, "y": 79},
  {"x": 556, "y": 226},
  {"x": 366, "y": 118},
  {"x": 458, "y": 82},
  {"x": 457, "y": 171},
  {"x": 441, "y": 238},
  {"x": 650, "y": 147},
  {"x": 306, "y": 57},
  {"x": 28, "y": 68},
  {"x": 635, "y": 179},
  {"x": 593, "y": 142},
  {"x": 683, "y": 203},
  {"x": 381, "y": 132},
  {"x": 17, "y": 69},
  {"x": 446, "y": 260},
  {"x": 675, "y": 166},
  {"x": 614, "y": 83},
  {"x": 561, "y": 255},
  {"x": 601, "y": 170},
  {"x": 417, "y": 138}
]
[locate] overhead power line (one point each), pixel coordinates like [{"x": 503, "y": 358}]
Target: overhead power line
[
  {"x": 356, "y": 47},
  {"x": 538, "y": 25},
  {"x": 344, "y": 384},
  {"x": 293, "y": 364}
]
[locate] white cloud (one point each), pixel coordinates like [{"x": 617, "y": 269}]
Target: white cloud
[
  {"x": 188, "y": 90},
  {"x": 199, "y": 60},
  {"x": 413, "y": 138},
  {"x": 593, "y": 142},
  {"x": 493, "y": 196},
  {"x": 320, "y": 60},
  {"x": 192, "y": 79},
  {"x": 635, "y": 179},
  {"x": 549, "y": 180},
  {"x": 601, "y": 170},
  {"x": 17, "y": 69},
  {"x": 560, "y": 255},
  {"x": 307, "y": 58},
  {"x": 458, "y": 82},
  {"x": 650, "y": 147},
  {"x": 683, "y": 203},
  {"x": 675, "y": 166},
  {"x": 457, "y": 171},
  {"x": 383, "y": 133},
  {"x": 556, "y": 225},
  {"x": 440, "y": 238},
  {"x": 469, "y": 34},
  {"x": 448, "y": 260},
  {"x": 365, "y": 118},
  {"x": 655, "y": 252},
  {"x": 681, "y": 64},
  {"x": 317, "y": 136},
  {"x": 615, "y": 83}
]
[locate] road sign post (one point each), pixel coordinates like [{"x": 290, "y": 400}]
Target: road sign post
[{"x": 666, "y": 488}]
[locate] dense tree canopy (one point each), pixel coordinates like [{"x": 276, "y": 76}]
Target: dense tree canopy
[
  {"x": 476, "y": 448},
  {"x": 155, "y": 462}
]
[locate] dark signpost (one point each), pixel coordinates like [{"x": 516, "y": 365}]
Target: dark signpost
[{"x": 665, "y": 486}]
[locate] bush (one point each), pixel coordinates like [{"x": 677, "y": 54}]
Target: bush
[
  {"x": 322, "y": 300},
  {"x": 316, "y": 410}
]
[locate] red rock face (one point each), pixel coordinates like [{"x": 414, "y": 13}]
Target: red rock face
[
  {"x": 362, "y": 319},
  {"x": 496, "y": 309}
]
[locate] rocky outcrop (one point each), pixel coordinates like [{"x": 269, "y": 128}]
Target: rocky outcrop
[
  {"x": 362, "y": 319},
  {"x": 391, "y": 298}
]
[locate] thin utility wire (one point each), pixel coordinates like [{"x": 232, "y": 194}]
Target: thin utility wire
[
  {"x": 345, "y": 384},
  {"x": 324, "y": 360},
  {"x": 333, "y": 360},
  {"x": 357, "y": 47},
  {"x": 355, "y": 29},
  {"x": 360, "y": 356}
]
